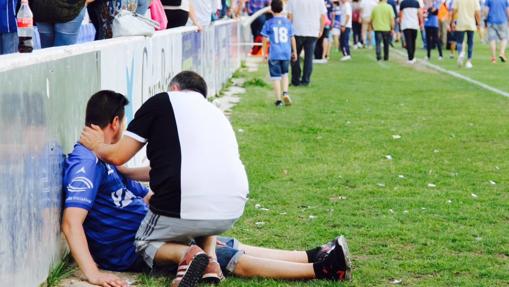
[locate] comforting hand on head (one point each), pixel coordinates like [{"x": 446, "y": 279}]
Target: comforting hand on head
[{"x": 92, "y": 137}]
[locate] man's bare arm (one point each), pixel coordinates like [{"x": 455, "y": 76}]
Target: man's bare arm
[
  {"x": 135, "y": 173},
  {"x": 72, "y": 226},
  {"x": 116, "y": 154}
]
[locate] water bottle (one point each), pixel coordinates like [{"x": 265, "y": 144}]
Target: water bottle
[{"x": 25, "y": 28}]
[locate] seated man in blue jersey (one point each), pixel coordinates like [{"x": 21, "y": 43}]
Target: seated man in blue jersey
[{"x": 103, "y": 210}]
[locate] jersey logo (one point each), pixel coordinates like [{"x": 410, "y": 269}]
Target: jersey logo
[
  {"x": 110, "y": 170},
  {"x": 80, "y": 184},
  {"x": 122, "y": 197},
  {"x": 81, "y": 170}
]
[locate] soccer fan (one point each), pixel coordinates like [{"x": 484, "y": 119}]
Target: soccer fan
[
  {"x": 346, "y": 28},
  {"x": 497, "y": 12},
  {"x": 308, "y": 19},
  {"x": 468, "y": 18},
  {"x": 278, "y": 31},
  {"x": 103, "y": 209},
  {"x": 411, "y": 20},
  {"x": 382, "y": 21},
  {"x": 431, "y": 26}
]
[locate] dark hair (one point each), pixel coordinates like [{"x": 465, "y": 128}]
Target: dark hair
[
  {"x": 189, "y": 80},
  {"x": 104, "y": 106},
  {"x": 276, "y": 6}
]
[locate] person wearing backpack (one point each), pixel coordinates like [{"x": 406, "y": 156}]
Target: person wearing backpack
[{"x": 58, "y": 21}]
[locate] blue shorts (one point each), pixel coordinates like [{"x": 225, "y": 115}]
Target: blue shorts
[
  {"x": 227, "y": 253},
  {"x": 278, "y": 68}
]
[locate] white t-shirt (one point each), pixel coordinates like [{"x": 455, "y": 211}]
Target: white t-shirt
[
  {"x": 366, "y": 8},
  {"x": 204, "y": 10},
  {"x": 184, "y": 5},
  {"x": 346, "y": 11},
  {"x": 306, "y": 15},
  {"x": 410, "y": 11}
]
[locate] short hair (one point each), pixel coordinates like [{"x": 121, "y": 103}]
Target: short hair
[
  {"x": 104, "y": 106},
  {"x": 189, "y": 80},
  {"x": 276, "y": 6}
]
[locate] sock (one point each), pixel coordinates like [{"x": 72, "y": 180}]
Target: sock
[{"x": 312, "y": 253}]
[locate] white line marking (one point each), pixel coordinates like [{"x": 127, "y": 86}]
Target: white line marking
[{"x": 459, "y": 76}]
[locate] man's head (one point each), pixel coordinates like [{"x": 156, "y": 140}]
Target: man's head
[
  {"x": 190, "y": 81},
  {"x": 276, "y": 6},
  {"x": 106, "y": 110}
]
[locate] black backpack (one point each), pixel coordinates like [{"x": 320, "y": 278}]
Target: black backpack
[
  {"x": 171, "y": 2},
  {"x": 56, "y": 11}
]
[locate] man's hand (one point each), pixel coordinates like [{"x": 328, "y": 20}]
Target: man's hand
[
  {"x": 343, "y": 28},
  {"x": 92, "y": 137},
  {"x": 106, "y": 280},
  {"x": 294, "y": 56}
]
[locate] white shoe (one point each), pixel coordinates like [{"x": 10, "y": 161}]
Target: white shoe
[
  {"x": 460, "y": 60},
  {"x": 468, "y": 65},
  {"x": 426, "y": 59},
  {"x": 440, "y": 58},
  {"x": 411, "y": 62},
  {"x": 346, "y": 58}
]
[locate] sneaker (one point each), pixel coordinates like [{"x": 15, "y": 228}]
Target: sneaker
[
  {"x": 346, "y": 58},
  {"x": 191, "y": 268},
  {"x": 460, "y": 60},
  {"x": 468, "y": 65},
  {"x": 411, "y": 62},
  {"x": 503, "y": 58},
  {"x": 440, "y": 58},
  {"x": 337, "y": 264},
  {"x": 286, "y": 99},
  {"x": 213, "y": 273},
  {"x": 426, "y": 59},
  {"x": 279, "y": 104}
]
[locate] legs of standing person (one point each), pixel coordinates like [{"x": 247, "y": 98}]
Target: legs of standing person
[
  {"x": 429, "y": 44},
  {"x": 8, "y": 43},
  {"x": 410, "y": 35},
  {"x": 378, "y": 43},
  {"x": 296, "y": 70},
  {"x": 437, "y": 41},
  {"x": 309, "y": 47},
  {"x": 366, "y": 32},
  {"x": 386, "y": 39},
  {"x": 345, "y": 42},
  {"x": 470, "y": 44},
  {"x": 67, "y": 33},
  {"x": 257, "y": 25},
  {"x": 460, "y": 37},
  {"x": 275, "y": 75}
]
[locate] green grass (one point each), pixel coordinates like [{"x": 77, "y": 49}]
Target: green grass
[
  {"x": 333, "y": 143},
  {"x": 63, "y": 269}
]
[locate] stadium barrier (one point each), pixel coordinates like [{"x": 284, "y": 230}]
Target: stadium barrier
[{"x": 42, "y": 107}]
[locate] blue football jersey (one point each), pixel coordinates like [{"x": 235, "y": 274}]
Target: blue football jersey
[
  {"x": 279, "y": 30},
  {"x": 115, "y": 207}
]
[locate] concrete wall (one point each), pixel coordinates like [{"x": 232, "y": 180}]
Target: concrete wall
[{"x": 42, "y": 105}]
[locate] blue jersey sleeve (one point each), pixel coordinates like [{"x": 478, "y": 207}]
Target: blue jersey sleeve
[
  {"x": 81, "y": 182},
  {"x": 266, "y": 30},
  {"x": 136, "y": 188},
  {"x": 290, "y": 30}
]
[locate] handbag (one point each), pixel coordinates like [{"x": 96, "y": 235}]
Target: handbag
[
  {"x": 127, "y": 24},
  {"x": 157, "y": 13}
]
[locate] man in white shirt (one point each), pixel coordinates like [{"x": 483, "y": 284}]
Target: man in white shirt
[
  {"x": 346, "y": 27},
  {"x": 366, "y": 9},
  {"x": 203, "y": 10},
  {"x": 308, "y": 18}
]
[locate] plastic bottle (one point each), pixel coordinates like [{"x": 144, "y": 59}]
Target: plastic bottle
[{"x": 25, "y": 28}]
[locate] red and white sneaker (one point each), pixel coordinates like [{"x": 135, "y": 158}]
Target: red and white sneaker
[
  {"x": 213, "y": 273},
  {"x": 191, "y": 268}
]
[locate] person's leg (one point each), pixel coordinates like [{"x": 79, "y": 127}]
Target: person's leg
[
  {"x": 438, "y": 42},
  {"x": 296, "y": 70},
  {"x": 277, "y": 89},
  {"x": 8, "y": 43},
  {"x": 208, "y": 244},
  {"x": 47, "y": 34},
  {"x": 378, "y": 43},
  {"x": 460, "y": 37},
  {"x": 275, "y": 254},
  {"x": 364, "y": 32},
  {"x": 250, "y": 266},
  {"x": 342, "y": 43},
  {"x": 386, "y": 39},
  {"x": 470, "y": 43},
  {"x": 309, "y": 47},
  {"x": 347, "y": 42},
  {"x": 407, "y": 33},
  {"x": 325, "y": 44},
  {"x": 428, "y": 41},
  {"x": 67, "y": 33}
]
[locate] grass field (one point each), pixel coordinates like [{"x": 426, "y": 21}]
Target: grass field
[{"x": 409, "y": 164}]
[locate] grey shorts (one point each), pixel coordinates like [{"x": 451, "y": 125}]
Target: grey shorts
[
  {"x": 497, "y": 32},
  {"x": 155, "y": 230}
]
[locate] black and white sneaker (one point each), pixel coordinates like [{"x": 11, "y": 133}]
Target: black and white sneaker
[
  {"x": 278, "y": 104},
  {"x": 337, "y": 264}
]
